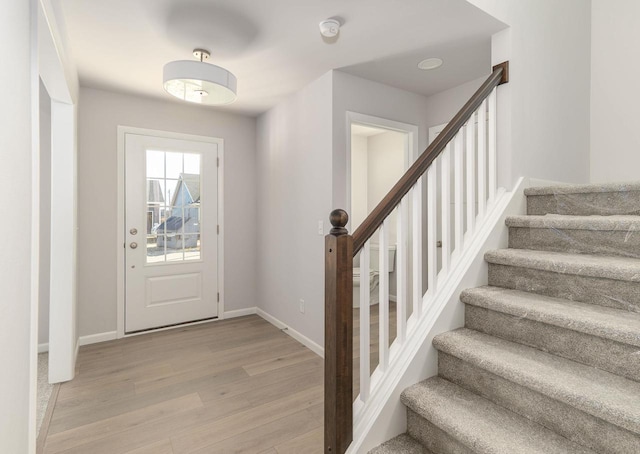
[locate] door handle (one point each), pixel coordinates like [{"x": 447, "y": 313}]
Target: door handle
[{"x": 133, "y": 245}]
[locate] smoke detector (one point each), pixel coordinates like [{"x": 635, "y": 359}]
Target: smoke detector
[{"x": 329, "y": 28}]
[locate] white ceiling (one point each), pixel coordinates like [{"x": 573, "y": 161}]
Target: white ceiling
[
  {"x": 274, "y": 47},
  {"x": 463, "y": 61}
]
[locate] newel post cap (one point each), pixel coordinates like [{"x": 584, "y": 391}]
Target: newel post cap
[{"x": 338, "y": 219}]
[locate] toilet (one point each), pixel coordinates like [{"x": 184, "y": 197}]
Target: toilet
[{"x": 374, "y": 274}]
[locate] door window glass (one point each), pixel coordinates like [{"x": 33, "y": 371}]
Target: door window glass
[{"x": 173, "y": 206}]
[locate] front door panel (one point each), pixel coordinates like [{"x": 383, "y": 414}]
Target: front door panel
[{"x": 171, "y": 231}]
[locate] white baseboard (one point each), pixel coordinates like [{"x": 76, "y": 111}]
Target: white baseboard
[
  {"x": 95, "y": 338},
  {"x": 304, "y": 340},
  {"x": 84, "y": 340},
  {"x": 239, "y": 313},
  {"x": 44, "y": 347}
]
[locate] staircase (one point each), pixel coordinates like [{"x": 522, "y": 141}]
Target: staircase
[{"x": 549, "y": 358}]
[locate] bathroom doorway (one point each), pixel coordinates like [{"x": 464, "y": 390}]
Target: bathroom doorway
[
  {"x": 378, "y": 161},
  {"x": 380, "y": 152}
]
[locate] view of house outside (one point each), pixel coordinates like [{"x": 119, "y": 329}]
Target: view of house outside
[{"x": 173, "y": 206}]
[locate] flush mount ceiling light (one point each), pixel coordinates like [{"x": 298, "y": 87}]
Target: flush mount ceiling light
[
  {"x": 430, "y": 63},
  {"x": 200, "y": 82}
]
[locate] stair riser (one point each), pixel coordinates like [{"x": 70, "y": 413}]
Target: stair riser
[
  {"x": 587, "y": 204},
  {"x": 623, "y": 295},
  {"x": 402, "y": 444},
  {"x": 620, "y": 359},
  {"x": 563, "y": 419},
  {"x": 613, "y": 243},
  {"x": 433, "y": 438}
]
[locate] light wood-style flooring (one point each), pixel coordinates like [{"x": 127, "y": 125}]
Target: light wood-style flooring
[{"x": 235, "y": 386}]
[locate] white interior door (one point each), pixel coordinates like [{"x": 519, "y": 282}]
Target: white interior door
[{"x": 171, "y": 231}]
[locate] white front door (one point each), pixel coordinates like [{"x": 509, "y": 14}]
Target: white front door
[{"x": 171, "y": 231}]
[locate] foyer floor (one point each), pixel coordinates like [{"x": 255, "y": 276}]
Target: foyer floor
[{"x": 235, "y": 386}]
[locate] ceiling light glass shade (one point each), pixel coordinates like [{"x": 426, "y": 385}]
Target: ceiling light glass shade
[{"x": 199, "y": 82}]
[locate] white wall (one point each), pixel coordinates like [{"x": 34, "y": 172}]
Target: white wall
[
  {"x": 377, "y": 163},
  {"x": 100, "y": 113},
  {"x": 294, "y": 193},
  {"x": 355, "y": 94},
  {"x": 45, "y": 215},
  {"x": 615, "y": 72},
  {"x": 16, "y": 122},
  {"x": 359, "y": 183},
  {"x": 548, "y": 46},
  {"x": 387, "y": 156},
  {"x": 444, "y": 105},
  {"x": 63, "y": 313},
  {"x": 58, "y": 74},
  {"x": 386, "y": 166}
]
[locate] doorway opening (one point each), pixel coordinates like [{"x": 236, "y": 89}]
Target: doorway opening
[{"x": 379, "y": 153}]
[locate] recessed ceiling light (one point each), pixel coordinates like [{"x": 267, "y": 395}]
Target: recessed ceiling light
[{"x": 430, "y": 63}]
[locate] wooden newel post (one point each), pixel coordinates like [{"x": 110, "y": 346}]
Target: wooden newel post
[{"x": 338, "y": 342}]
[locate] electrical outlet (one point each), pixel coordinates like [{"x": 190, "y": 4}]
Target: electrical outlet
[
  {"x": 320, "y": 227},
  {"x": 302, "y": 308}
]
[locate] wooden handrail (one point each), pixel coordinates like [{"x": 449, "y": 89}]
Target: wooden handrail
[{"x": 368, "y": 227}]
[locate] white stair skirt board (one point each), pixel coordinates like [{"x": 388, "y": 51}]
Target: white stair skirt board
[
  {"x": 304, "y": 340},
  {"x": 378, "y": 419}
]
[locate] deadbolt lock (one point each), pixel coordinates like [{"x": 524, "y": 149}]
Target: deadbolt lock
[{"x": 133, "y": 231}]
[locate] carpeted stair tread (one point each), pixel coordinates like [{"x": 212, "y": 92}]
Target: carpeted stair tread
[
  {"x": 402, "y": 444},
  {"x": 609, "y": 397},
  {"x": 614, "y": 324},
  {"x": 481, "y": 425},
  {"x": 582, "y": 188},
  {"x": 625, "y": 223},
  {"x": 615, "y": 268}
]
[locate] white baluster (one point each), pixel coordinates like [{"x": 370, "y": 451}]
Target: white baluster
[
  {"x": 432, "y": 228},
  {"x": 365, "y": 293},
  {"x": 493, "y": 178},
  {"x": 417, "y": 248},
  {"x": 401, "y": 270},
  {"x": 383, "y": 300},
  {"x": 459, "y": 190},
  {"x": 445, "y": 189},
  {"x": 471, "y": 174},
  {"x": 482, "y": 160}
]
